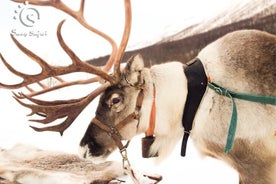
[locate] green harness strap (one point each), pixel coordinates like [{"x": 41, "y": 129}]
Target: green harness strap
[{"x": 233, "y": 122}]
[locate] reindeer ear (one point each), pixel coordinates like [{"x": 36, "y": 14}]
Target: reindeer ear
[
  {"x": 135, "y": 63},
  {"x": 132, "y": 73}
]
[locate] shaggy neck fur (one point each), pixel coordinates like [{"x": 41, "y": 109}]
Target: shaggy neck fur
[{"x": 171, "y": 92}]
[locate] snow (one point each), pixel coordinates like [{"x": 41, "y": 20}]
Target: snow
[{"x": 152, "y": 20}]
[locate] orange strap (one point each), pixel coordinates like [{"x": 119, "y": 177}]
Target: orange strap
[{"x": 151, "y": 128}]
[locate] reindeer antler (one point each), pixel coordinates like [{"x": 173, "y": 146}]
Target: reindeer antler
[{"x": 53, "y": 110}]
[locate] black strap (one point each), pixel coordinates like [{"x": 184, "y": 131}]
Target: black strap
[{"x": 197, "y": 82}]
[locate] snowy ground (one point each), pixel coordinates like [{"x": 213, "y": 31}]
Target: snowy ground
[{"x": 152, "y": 20}]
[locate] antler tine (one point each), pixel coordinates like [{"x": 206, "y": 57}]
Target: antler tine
[
  {"x": 53, "y": 110},
  {"x": 123, "y": 44},
  {"x": 52, "y": 71},
  {"x": 77, "y": 62},
  {"x": 114, "y": 59},
  {"x": 79, "y": 16},
  {"x": 27, "y": 79},
  {"x": 116, "y": 55},
  {"x": 68, "y": 109}
]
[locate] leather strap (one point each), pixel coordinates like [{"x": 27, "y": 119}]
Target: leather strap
[
  {"x": 197, "y": 82},
  {"x": 114, "y": 131}
]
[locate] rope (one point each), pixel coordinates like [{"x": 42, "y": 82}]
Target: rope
[{"x": 233, "y": 122}]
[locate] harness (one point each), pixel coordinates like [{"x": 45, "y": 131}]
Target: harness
[
  {"x": 233, "y": 121},
  {"x": 114, "y": 133},
  {"x": 197, "y": 82}
]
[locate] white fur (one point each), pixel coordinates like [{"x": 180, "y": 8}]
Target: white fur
[
  {"x": 171, "y": 92},
  {"x": 28, "y": 165}
]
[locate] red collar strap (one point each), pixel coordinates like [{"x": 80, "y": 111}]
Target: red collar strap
[
  {"x": 149, "y": 138},
  {"x": 150, "y": 130}
]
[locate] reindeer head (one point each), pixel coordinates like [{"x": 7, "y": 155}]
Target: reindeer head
[
  {"x": 116, "y": 113},
  {"x": 118, "y": 116}
]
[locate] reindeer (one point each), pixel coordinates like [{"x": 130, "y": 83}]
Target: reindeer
[
  {"x": 27, "y": 164},
  {"x": 224, "y": 100}
]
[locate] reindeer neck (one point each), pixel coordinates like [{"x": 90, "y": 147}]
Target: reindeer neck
[{"x": 171, "y": 91}]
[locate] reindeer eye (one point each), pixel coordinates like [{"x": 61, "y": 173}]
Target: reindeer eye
[{"x": 115, "y": 100}]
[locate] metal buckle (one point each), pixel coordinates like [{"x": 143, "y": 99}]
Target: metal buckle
[
  {"x": 125, "y": 161},
  {"x": 113, "y": 131}
]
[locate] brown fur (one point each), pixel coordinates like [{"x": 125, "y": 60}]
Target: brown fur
[
  {"x": 252, "y": 56},
  {"x": 23, "y": 161},
  {"x": 245, "y": 62},
  {"x": 241, "y": 159}
]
